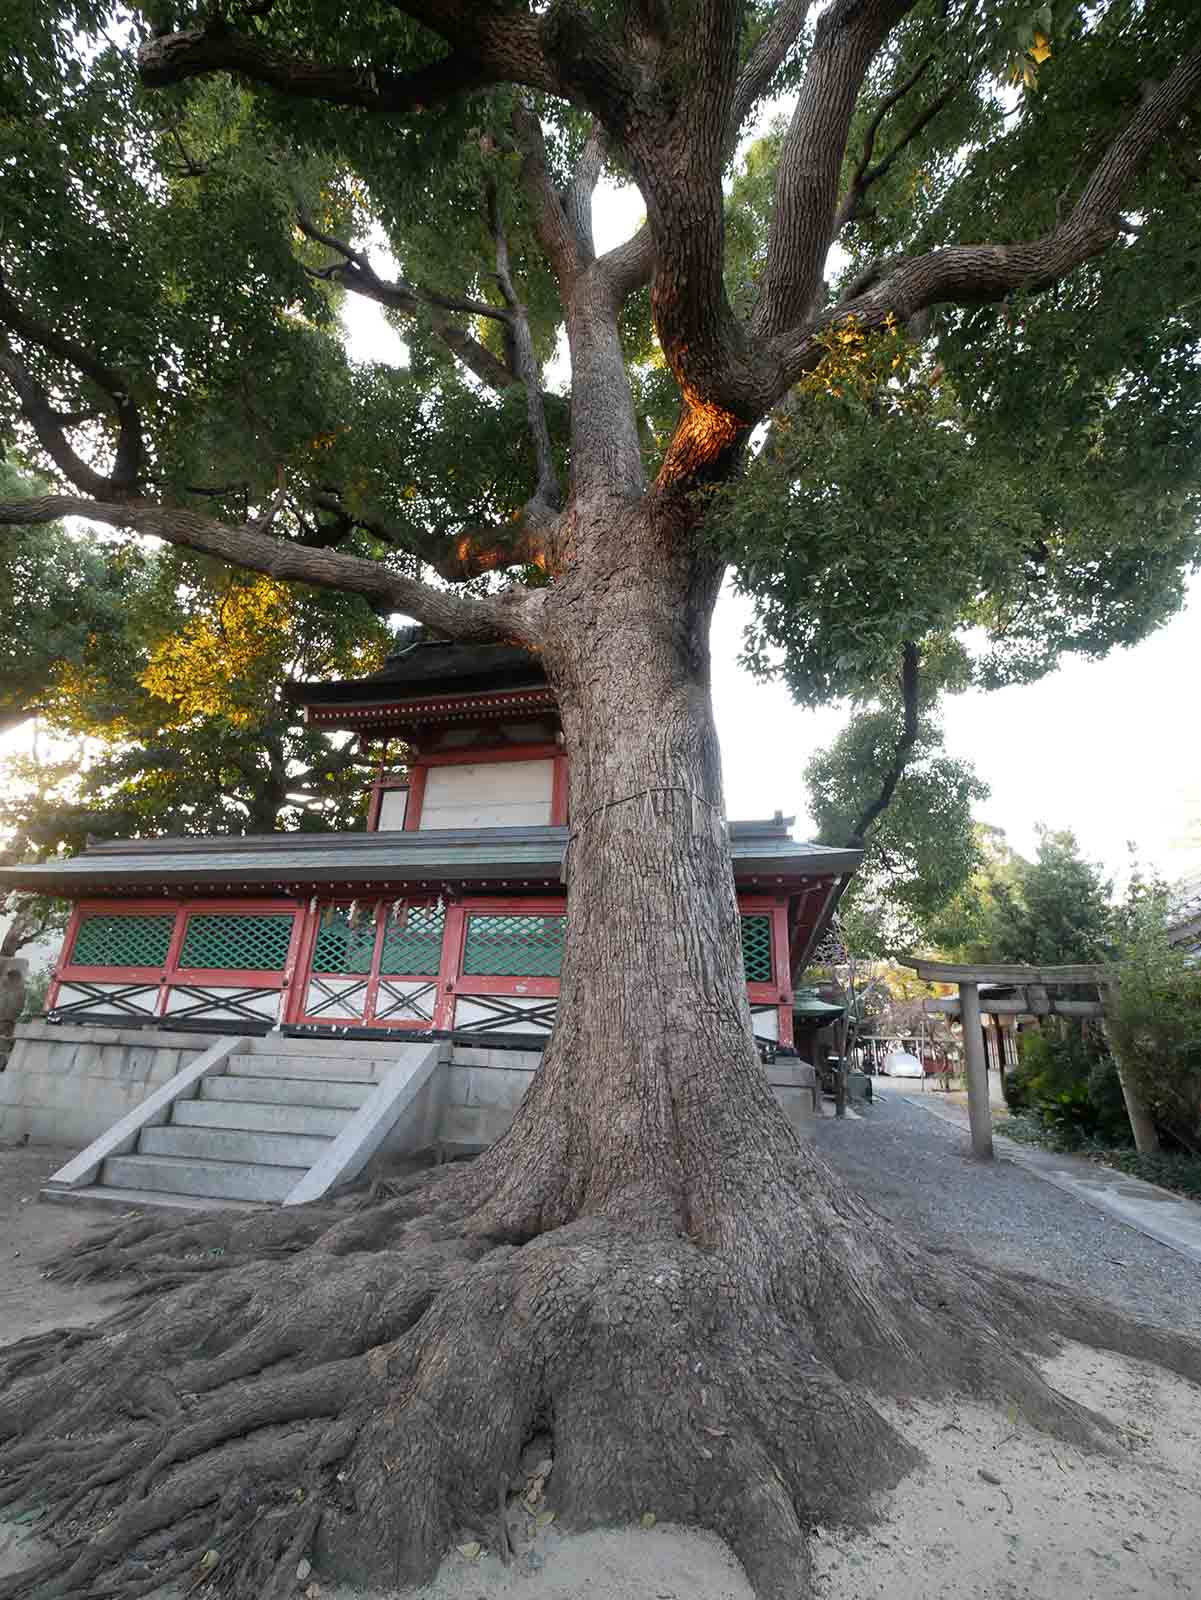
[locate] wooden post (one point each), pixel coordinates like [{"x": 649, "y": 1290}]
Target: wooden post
[
  {"x": 976, "y": 1063},
  {"x": 1146, "y": 1140}
]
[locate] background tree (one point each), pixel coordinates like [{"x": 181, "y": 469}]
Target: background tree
[
  {"x": 648, "y": 1252},
  {"x": 886, "y": 785},
  {"x": 1155, "y": 1025},
  {"x": 56, "y": 592},
  {"x": 183, "y": 716},
  {"x": 1053, "y": 911},
  {"x": 160, "y": 687}
]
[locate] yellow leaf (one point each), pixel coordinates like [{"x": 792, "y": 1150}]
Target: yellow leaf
[
  {"x": 1041, "y": 48},
  {"x": 471, "y": 1551},
  {"x": 648, "y": 1519}
]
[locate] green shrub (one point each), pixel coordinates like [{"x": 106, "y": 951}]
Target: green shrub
[
  {"x": 1157, "y": 1025},
  {"x": 1069, "y": 1085}
]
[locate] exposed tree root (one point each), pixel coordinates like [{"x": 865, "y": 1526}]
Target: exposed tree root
[{"x": 355, "y": 1385}]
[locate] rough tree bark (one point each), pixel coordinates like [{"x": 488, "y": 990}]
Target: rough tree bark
[{"x": 649, "y": 1266}]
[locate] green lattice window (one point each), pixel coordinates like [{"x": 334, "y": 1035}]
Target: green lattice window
[
  {"x": 756, "y": 949},
  {"x": 237, "y": 942},
  {"x": 412, "y": 942},
  {"x": 123, "y": 941},
  {"x": 341, "y": 948},
  {"x": 514, "y": 947}
]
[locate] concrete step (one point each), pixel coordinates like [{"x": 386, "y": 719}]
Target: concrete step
[
  {"x": 224, "y": 1180},
  {"x": 323, "y": 1045},
  {"x": 285, "y": 1091},
  {"x": 323, "y": 1122},
  {"x": 353, "y": 1069},
  {"x": 98, "y": 1194},
  {"x": 228, "y": 1144}
]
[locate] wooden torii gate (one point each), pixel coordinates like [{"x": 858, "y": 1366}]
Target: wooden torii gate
[{"x": 1036, "y": 1002}]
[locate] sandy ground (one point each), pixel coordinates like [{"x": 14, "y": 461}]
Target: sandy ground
[
  {"x": 1046, "y": 1523},
  {"x": 29, "y": 1233}
]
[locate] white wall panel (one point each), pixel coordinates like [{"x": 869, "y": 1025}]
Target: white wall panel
[
  {"x": 393, "y": 804},
  {"x": 488, "y": 794}
]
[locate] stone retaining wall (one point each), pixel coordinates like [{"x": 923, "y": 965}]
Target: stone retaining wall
[{"x": 67, "y": 1085}]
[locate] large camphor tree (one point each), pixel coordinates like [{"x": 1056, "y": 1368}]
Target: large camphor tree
[{"x": 649, "y": 1265}]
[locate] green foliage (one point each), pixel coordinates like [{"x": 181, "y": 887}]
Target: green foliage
[
  {"x": 37, "y": 986},
  {"x": 1032, "y": 469},
  {"x": 56, "y": 592},
  {"x": 181, "y": 714},
  {"x": 1067, "y": 1081},
  {"x": 1053, "y": 911},
  {"x": 1022, "y": 476},
  {"x": 1156, "y": 1027},
  {"x": 922, "y": 849},
  {"x": 1169, "y": 1169}
]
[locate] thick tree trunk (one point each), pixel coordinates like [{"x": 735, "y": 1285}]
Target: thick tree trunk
[{"x": 651, "y": 1081}]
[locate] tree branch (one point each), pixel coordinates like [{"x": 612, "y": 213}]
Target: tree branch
[
  {"x": 566, "y": 250},
  {"x": 130, "y": 450},
  {"x": 37, "y": 409},
  {"x": 865, "y": 174},
  {"x": 355, "y": 272},
  {"x": 630, "y": 266},
  {"x": 548, "y": 493},
  {"x": 522, "y": 540},
  {"x": 847, "y": 37},
  {"x": 480, "y": 620},
  {"x": 909, "y": 683},
  {"x": 765, "y": 60},
  {"x": 577, "y": 202},
  {"x": 200, "y": 52}
]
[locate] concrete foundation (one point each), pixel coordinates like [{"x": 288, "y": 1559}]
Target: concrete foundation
[{"x": 68, "y": 1085}]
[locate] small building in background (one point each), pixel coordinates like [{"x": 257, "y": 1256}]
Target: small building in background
[{"x": 443, "y": 916}]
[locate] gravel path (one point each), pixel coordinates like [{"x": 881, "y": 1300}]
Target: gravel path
[{"x": 917, "y": 1169}]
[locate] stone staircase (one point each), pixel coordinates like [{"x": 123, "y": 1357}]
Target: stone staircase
[
  {"x": 274, "y": 1120},
  {"x": 250, "y": 1131}
]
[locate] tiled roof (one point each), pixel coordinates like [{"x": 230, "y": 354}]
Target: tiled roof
[
  {"x": 430, "y": 667},
  {"x": 494, "y": 856}
]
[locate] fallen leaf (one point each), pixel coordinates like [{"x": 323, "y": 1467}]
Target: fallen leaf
[
  {"x": 648, "y": 1519},
  {"x": 209, "y": 1560},
  {"x": 302, "y": 1571},
  {"x": 470, "y": 1552},
  {"x": 544, "y": 1519}
]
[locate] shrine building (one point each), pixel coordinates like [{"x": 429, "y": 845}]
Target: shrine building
[{"x": 443, "y": 916}]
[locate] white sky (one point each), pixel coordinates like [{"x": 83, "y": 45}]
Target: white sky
[{"x": 1111, "y": 749}]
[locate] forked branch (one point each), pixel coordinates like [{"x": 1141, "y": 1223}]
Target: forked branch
[
  {"x": 547, "y": 494},
  {"x": 846, "y": 39},
  {"x": 354, "y": 271},
  {"x": 50, "y": 426},
  {"x": 865, "y": 174}
]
